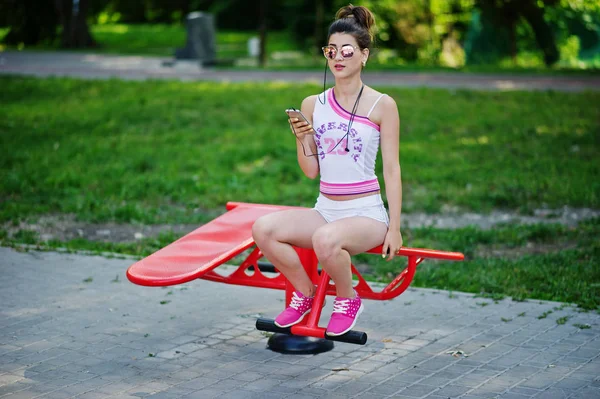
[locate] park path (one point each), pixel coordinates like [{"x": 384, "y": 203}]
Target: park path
[
  {"x": 73, "y": 326},
  {"x": 99, "y": 66}
]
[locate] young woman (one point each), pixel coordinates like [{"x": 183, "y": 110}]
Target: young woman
[{"x": 346, "y": 125}]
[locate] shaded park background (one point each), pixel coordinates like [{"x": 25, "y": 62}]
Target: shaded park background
[
  {"x": 166, "y": 153},
  {"x": 433, "y": 33}
]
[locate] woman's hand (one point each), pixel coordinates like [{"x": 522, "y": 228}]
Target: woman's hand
[
  {"x": 392, "y": 244},
  {"x": 300, "y": 127}
]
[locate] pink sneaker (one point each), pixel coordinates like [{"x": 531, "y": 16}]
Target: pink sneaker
[
  {"x": 345, "y": 313},
  {"x": 299, "y": 307}
]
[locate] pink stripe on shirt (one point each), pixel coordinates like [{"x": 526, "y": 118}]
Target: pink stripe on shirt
[{"x": 346, "y": 115}]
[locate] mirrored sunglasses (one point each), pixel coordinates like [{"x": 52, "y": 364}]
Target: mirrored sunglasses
[{"x": 347, "y": 51}]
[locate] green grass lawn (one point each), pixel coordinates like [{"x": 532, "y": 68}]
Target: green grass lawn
[
  {"x": 503, "y": 262},
  {"x": 171, "y": 152},
  {"x": 163, "y": 40},
  {"x": 159, "y": 40},
  {"x": 159, "y": 152}
]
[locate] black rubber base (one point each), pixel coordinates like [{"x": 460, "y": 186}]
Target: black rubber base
[
  {"x": 351, "y": 337},
  {"x": 298, "y": 345}
]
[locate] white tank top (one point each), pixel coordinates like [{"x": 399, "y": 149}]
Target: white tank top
[{"x": 345, "y": 172}]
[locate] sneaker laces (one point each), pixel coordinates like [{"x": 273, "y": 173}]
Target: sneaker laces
[
  {"x": 296, "y": 302},
  {"x": 340, "y": 306}
]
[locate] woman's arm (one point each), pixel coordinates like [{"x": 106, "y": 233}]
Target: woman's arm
[
  {"x": 305, "y": 143},
  {"x": 390, "y": 145}
]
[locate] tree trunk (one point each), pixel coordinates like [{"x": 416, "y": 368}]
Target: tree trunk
[
  {"x": 512, "y": 34},
  {"x": 543, "y": 32},
  {"x": 73, "y": 18},
  {"x": 262, "y": 27},
  {"x": 319, "y": 29}
]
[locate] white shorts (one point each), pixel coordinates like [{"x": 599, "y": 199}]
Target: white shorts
[{"x": 371, "y": 206}]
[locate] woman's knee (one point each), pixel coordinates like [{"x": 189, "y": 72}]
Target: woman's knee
[
  {"x": 325, "y": 243},
  {"x": 263, "y": 229}
]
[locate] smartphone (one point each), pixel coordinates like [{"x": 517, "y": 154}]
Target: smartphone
[{"x": 295, "y": 113}]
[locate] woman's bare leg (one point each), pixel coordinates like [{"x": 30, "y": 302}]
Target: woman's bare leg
[
  {"x": 335, "y": 242},
  {"x": 277, "y": 232}
]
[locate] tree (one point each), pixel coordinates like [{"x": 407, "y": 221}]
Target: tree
[
  {"x": 32, "y": 22},
  {"x": 544, "y": 35},
  {"x": 308, "y": 21},
  {"x": 417, "y": 29},
  {"x": 262, "y": 31},
  {"x": 72, "y": 16},
  {"x": 505, "y": 15},
  {"x": 319, "y": 25}
]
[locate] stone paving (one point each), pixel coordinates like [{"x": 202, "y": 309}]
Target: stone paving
[
  {"x": 74, "y": 326},
  {"x": 101, "y": 66}
]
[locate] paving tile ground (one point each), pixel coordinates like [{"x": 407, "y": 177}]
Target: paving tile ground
[{"x": 73, "y": 326}]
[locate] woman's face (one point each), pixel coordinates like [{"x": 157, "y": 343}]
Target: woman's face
[{"x": 344, "y": 56}]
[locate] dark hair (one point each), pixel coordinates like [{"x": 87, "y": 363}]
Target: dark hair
[{"x": 356, "y": 21}]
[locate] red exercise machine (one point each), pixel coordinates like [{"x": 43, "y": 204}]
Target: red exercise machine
[{"x": 199, "y": 253}]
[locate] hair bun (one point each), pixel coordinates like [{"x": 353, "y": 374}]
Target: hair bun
[{"x": 361, "y": 14}]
